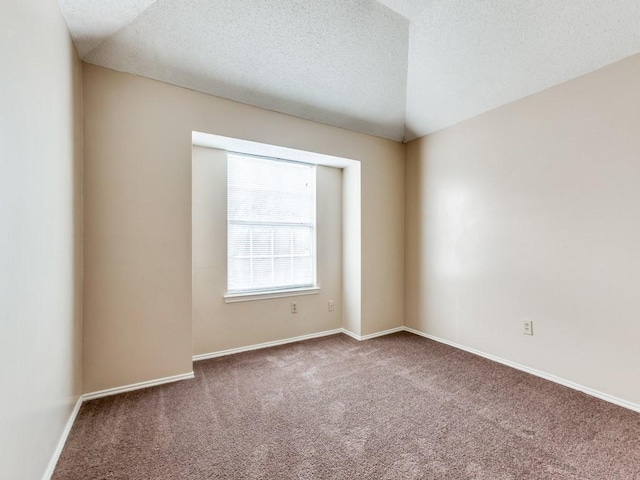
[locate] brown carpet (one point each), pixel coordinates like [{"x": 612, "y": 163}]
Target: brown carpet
[{"x": 395, "y": 407}]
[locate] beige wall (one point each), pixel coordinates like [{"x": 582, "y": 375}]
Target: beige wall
[
  {"x": 531, "y": 212},
  {"x": 138, "y": 218},
  {"x": 40, "y": 237},
  {"x": 382, "y": 237},
  {"x": 218, "y": 325}
]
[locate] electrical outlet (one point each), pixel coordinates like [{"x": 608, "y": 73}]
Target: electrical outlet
[
  {"x": 527, "y": 327},
  {"x": 294, "y": 307},
  {"x": 331, "y": 306}
]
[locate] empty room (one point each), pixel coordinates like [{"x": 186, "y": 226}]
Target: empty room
[{"x": 333, "y": 239}]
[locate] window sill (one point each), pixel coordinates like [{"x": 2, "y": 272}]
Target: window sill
[{"x": 248, "y": 297}]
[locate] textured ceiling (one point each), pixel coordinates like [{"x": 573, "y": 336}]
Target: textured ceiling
[
  {"x": 409, "y": 9},
  {"x": 93, "y": 21},
  {"x": 467, "y": 57},
  {"x": 395, "y": 68},
  {"x": 337, "y": 62}
]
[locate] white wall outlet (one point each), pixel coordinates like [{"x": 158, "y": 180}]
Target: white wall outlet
[
  {"x": 332, "y": 306},
  {"x": 294, "y": 307},
  {"x": 527, "y": 327}
]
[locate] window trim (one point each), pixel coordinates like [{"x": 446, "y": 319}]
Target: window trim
[{"x": 268, "y": 294}]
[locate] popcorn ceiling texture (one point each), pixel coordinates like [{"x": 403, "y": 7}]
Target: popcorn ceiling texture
[
  {"x": 467, "y": 57},
  {"x": 342, "y": 63},
  {"x": 407, "y": 8},
  {"x": 359, "y": 64},
  {"x": 93, "y": 21}
]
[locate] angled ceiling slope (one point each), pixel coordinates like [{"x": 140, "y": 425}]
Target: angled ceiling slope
[
  {"x": 468, "y": 57},
  {"x": 398, "y": 69},
  {"x": 338, "y": 62},
  {"x": 409, "y": 9}
]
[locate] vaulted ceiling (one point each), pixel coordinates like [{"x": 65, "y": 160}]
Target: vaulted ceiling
[{"x": 398, "y": 69}]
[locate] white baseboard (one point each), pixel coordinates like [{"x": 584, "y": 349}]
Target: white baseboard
[
  {"x": 547, "y": 376},
  {"x": 284, "y": 341},
  {"x": 102, "y": 393},
  {"x": 372, "y": 335},
  {"x": 136, "y": 386},
  {"x": 355, "y": 336},
  {"x": 232, "y": 351},
  {"x": 151, "y": 383},
  {"x": 63, "y": 439}
]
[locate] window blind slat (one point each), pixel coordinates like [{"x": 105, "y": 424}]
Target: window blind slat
[{"x": 270, "y": 224}]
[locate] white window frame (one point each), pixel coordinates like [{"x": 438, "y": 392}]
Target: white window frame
[{"x": 232, "y": 296}]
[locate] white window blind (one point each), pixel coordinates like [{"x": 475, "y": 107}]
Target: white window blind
[{"x": 271, "y": 207}]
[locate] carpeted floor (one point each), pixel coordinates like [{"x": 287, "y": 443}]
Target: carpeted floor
[{"x": 395, "y": 407}]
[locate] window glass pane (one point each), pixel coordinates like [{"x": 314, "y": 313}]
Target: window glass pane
[
  {"x": 302, "y": 240},
  {"x": 261, "y": 242},
  {"x": 239, "y": 240},
  {"x": 282, "y": 243},
  {"x": 283, "y": 270},
  {"x": 271, "y": 224},
  {"x": 239, "y": 272},
  {"x": 262, "y": 272},
  {"x": 303, "y": 269},
  {"x": 271, "y": 191}
]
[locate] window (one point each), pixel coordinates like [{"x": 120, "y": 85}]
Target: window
[{"x": 271, "y": 215}]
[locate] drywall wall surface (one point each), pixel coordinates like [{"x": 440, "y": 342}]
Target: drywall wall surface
[
  {"x": 220, "y": 326},
  {"x": 138, "y": 193},
  {"x": 40, "y": 236},
  {"x": 382, "y": 185},
  {"x": 352, "y": 248},
  {"x": 530, "y": 212}
]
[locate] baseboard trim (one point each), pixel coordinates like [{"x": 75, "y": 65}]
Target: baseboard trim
[
  {"x": 63, "y": 440},
  {"x": 538, "y": 373},
  {"x": 284, "y": 341},
  {"x": 349, "y": 333},
  {"x": 232, "y": 351},
  {"x": 175, "y": 378},
  {"x": 136, "y": 386},
  {"x": 99, "y": 394},
  {"x": 372, "y": 335}
]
